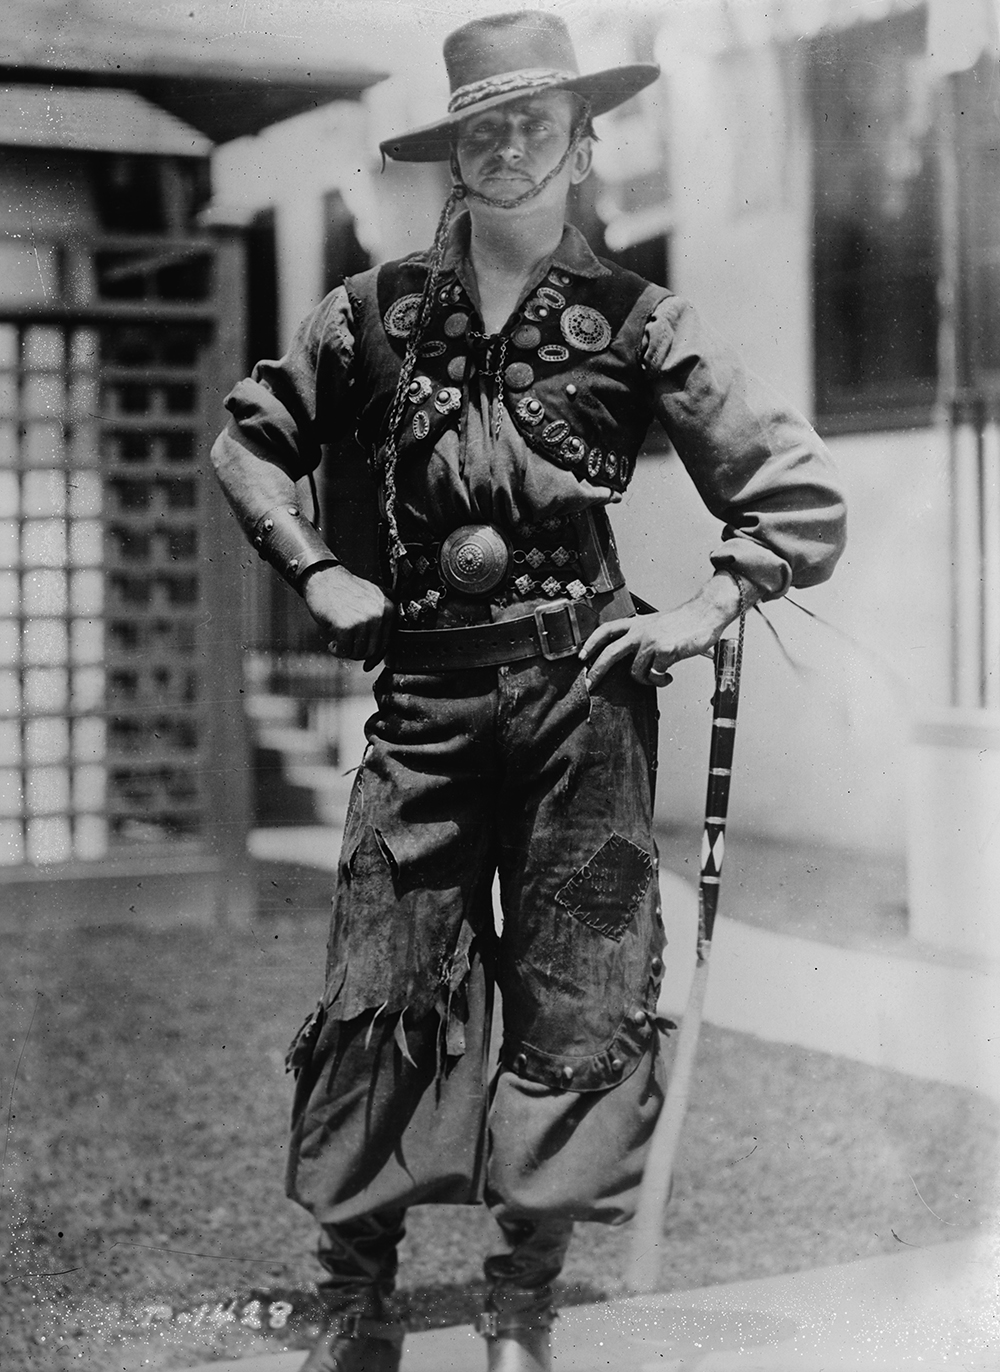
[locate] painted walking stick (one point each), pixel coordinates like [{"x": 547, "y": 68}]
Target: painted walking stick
[{"x": 643, "y": 1269}]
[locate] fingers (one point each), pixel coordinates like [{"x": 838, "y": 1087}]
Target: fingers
[
  {"x": 625, "y": 639},
  {"x": 611, "y": 643},
  {"x": 650, "y": 667},
  {"x": 367, "y": 642},
  {"x": 618, "y": 650},
  {"x": 380, "y": 637},
  {"x": 355, "y": 615},
  {"x": 602, "y": 635},
  {"x": 602, "y": 494}
]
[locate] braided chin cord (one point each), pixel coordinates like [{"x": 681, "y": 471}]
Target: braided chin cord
[
  {"x": 459, "y": 192},
  {"x": 580, "y": 127}
]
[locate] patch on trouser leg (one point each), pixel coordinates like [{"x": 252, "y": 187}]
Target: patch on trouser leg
[{"x": 606, "y": 891}]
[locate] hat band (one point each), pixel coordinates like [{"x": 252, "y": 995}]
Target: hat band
[{"x": 530, "y": 78}]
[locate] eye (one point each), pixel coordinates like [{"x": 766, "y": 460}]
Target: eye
[{"x": 480, "y": 133}]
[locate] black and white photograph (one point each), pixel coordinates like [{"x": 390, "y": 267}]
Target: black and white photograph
[{"x": 500, "y": 686}]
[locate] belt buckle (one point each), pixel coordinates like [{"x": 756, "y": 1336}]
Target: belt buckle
[{"x": 544, "y": 633}]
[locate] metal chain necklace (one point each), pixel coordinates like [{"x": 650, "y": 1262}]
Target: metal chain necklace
[{"x": 459, "y": 192}]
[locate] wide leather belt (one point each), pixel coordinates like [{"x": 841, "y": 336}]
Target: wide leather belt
[{"x": 550, "y": 631}]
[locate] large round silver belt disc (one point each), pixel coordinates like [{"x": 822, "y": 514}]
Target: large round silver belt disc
[{"x": 474, "y": 558}]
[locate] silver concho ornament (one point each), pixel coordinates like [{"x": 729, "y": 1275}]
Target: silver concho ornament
[
  {"x": 572, "y": 450},
  {"x": 555, "y": 432},
  {"x": 585, "y": 328},
  {"x": 550, "y": 297},
  {"x": 419, "y": 389},
  {"x": 530, "y": 410},
  {"x": 447, "y": 400},
  {"x": 431, "y": 347},
  {"x": 401, "y": 316},
  {"x": 595, "y": 463},
  {"x": 536, "y": 310},
  {"x": 474, "y": 559},
  {"x": 553, "y": 352},
  {"x": 421, "y": 424}
]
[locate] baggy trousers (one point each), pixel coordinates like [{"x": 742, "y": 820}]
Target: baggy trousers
[{"x": 525, "y": 771}]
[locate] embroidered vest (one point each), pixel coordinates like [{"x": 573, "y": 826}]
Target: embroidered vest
[{"x": 567, "y": 363}]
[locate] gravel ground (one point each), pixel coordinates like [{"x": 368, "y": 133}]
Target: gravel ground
[{"x": 142, "y": 1192}]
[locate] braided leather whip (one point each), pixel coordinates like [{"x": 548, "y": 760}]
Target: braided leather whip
[{"x": 643, "y": 1270}]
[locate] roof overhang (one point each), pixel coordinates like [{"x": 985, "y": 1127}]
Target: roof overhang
[
  {"x": 82, "y": 119},
  {"x": 224, "y": 101},
  {"x": 223, "y": 87}
]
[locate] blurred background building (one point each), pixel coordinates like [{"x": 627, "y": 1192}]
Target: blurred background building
[{"x": 821, "y": 177}]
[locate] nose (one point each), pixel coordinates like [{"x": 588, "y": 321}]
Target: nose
[{"x": 511, "y": 146}]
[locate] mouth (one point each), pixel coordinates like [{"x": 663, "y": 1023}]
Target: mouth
[{"x": 506, "y": 177}]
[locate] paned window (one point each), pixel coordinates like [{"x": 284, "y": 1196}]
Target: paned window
[
  {"x": 899, "y": 152},
  {"x": 102, "y": 710},
  {"x": 875, "y": 247},
  {"x": 53, "y": 593}
]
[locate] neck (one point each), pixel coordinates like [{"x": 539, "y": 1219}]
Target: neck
[{"x": 511, "y": 243}]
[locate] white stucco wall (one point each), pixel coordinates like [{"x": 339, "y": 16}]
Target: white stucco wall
[
  {"x": 821, "y": 751},
  {"x": 741, "y": 196},
  {"x": 292, "y": 166}
]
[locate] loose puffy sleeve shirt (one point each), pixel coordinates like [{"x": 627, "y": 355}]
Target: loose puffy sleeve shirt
[{"x": 758, "y": 465}]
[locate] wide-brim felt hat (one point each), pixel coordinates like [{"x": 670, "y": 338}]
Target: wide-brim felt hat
[{"x": 501, "y": 58}]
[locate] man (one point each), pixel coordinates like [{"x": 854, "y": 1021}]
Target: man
[{"x": 502, "y": 385}]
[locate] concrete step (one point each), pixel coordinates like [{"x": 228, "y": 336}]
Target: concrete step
[
  {"x": 296, "y": 745},
  {"x": 926, "y": 1310},
  {"x": 305, "y": 754},
  {"x": 265, "y": 708}
]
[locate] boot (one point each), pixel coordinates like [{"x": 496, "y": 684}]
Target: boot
[
  {"x": 357, "y": 1343},
  {"x": 360, "y": 1260},
  {"x": 517, "y": 1342},
  {"x": 519, "y": 1314}
]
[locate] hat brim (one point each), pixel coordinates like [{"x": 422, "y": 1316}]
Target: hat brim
[{"x": 604, "y": 89}]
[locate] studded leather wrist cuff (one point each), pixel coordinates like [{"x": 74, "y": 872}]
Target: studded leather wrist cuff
[{"x": 286, "y": 539}]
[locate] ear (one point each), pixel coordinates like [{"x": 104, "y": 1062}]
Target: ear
[{"x": 581, "y": 162}]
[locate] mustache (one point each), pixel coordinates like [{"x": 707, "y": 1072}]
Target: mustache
[{"x": 500, "y": 168}]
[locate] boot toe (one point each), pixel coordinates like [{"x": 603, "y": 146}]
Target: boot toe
[{"x": 355, "y": 1343}]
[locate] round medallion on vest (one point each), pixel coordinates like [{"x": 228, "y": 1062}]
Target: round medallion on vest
[
  {"x": 519, "y": 376},
  {"x": 474, "y": 559},
  {"x": 585, "y": 328},
  {"x": 401, "y": 316}
]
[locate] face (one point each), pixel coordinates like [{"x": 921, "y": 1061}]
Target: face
[{"x": 505, "y": 151}]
